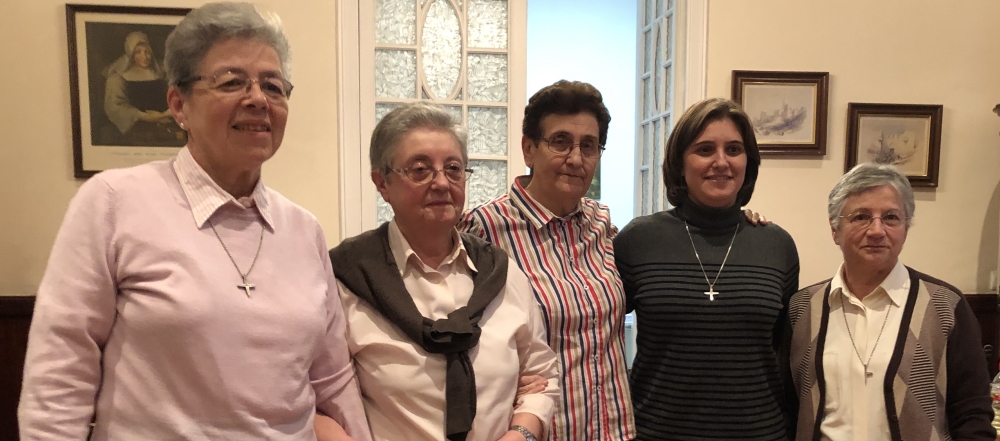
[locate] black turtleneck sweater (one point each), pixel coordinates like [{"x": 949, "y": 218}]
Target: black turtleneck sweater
[{"x": 707, "y": 369}]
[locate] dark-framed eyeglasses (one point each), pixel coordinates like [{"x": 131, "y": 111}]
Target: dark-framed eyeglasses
[
  {"x": 421, "y": 173},
  {"x": 232, "y": 82},
  {"x": 562, "y": 145},
  {"x": 863, "y": 220}
]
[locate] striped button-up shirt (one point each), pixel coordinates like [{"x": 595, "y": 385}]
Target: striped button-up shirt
[{"x": 571, "y": 265}]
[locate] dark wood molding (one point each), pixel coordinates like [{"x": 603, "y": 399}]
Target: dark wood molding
[
  {"x": 16, "y": 306},
  {"x": 15, "y": 321}
]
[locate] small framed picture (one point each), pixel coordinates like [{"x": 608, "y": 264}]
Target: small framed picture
[
  {"x": 788, "y": 110},
  {"x": 118, "y": 86},
  {"x": 905, "y": 135}
]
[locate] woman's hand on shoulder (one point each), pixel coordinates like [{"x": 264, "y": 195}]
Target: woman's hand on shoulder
[{"x": 755, "y": 218}]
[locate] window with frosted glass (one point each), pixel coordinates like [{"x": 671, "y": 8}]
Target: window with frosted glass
[
  {"x": 454, "y": 53},
  {"x": 655, "y": 77}
]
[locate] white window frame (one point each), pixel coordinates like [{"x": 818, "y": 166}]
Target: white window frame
[{"x": 356, "y": 50}]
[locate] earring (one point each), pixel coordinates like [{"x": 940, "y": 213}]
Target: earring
[{"x": 182, "y": 126}]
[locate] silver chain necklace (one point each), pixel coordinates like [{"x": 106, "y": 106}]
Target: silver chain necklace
[
  {"x": 843, "y": 309},
  {"x": 711, "y": 293},
  {"x": 246, "y": 286}
]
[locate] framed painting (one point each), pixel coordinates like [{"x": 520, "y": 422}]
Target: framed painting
[
  {"x": 788, "y": 110},
  {"x": 118, "y": 87},
  {"x": 905, "y": 135}
]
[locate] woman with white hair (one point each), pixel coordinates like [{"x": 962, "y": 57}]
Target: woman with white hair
[
  {"x": 184, "y": 299},
  {"x": 882, "y": 351},
  {"x": 440, "y": 324}
]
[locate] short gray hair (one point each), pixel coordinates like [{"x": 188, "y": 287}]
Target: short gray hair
[
  {"x": 212, "y": 23},
  {"x": 400, "y": 121},
  {"x": 864, "y": 177}
]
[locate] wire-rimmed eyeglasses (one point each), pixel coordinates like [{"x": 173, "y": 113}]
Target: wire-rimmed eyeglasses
[
  {"x": 562, "y": 144},
  {"x": 274, "y": 87},
  {"x": 864, "y": 220},
  {"x": 421, "y": 173}
]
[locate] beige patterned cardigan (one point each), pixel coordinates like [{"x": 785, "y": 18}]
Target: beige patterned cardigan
[{"x": 936, "y": 384}]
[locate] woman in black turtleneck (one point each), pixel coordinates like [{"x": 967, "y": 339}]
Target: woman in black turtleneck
[{"x": 709, "y": 290}]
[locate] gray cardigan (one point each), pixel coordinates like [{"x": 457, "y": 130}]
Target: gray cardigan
[{"x": 936, "y": 384}]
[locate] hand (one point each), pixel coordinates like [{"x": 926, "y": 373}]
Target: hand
[
  {"x": 755, "y": 218},
  {"x": 327, "y": 429},
  {"x": 529, "y": 384},
  {"x": 149, "y": 116}
]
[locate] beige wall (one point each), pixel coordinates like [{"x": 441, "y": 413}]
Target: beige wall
[
  {"x": 36, "y": 160},
  {"x": 891, "y": 51}
]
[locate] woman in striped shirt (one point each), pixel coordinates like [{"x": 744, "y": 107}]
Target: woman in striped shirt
[{"x": 562, "y": 241}]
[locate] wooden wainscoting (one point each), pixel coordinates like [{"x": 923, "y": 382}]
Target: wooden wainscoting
[{"x": 15, "y": 318}]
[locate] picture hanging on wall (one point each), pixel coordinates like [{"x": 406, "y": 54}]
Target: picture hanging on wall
[
  {"x": 118, "y": 86},
  {"x": 905, "y": 135},
  {"x": 788, "y": 110}
]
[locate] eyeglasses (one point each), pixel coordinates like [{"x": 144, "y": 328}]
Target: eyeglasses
[
  {"x": 863, "y": 220},
  {"x": 274, "y": 87},
  {"x": 563, "y": 144},
  {"x": 421, "y": 173}
]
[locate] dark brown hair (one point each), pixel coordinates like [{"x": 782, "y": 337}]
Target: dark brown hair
[
  {"x": 691, "y": 124},
  {"x": 565, "y": 98}
]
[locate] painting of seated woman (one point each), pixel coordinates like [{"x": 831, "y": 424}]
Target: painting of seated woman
[{"x": 135, "y": 109}]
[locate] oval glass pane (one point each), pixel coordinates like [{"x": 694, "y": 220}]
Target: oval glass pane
[{"x": 441, "y": 47}]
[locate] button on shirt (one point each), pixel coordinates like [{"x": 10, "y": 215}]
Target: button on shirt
[
  {"x": 403, "y": 386},
  {"x": 855, "y": 408},
  {"x": 571, "y": 265}
]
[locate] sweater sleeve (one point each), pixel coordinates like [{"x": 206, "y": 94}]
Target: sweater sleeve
[
  {"x": 74, "y": 312},
  {"x": 332, "y": 373},
  {"x": 968, "y": 402},
  {"x": 621, "y": 247}
]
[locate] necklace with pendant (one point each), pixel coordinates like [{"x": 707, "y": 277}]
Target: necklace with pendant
[
  {"x": 711, "y": 293},
  {"x": 843, "y": 309},
  {"x": 245, "y": 286}
]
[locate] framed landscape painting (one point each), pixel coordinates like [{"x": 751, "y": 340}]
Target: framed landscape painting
[
  {"x": 118, "y": 87},
  {"x": 788, "y": 110},
  {"x": 907, "y": 136}
]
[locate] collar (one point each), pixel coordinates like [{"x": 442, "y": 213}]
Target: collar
[
  {"x": 206, "y": 196},
  {"x": 896, "y": 285},
  {"x": 534, "y": 211},
  {"x": 709, "y": 217},
  {"x": 403, "y": 253}
]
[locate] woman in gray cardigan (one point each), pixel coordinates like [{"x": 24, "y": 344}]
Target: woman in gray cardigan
[{"x": 882, "y": 351}]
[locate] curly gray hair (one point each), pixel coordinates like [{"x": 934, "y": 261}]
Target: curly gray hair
[
  {"x": 864, "y": 177},
  {"x": 212, "y": 23}
]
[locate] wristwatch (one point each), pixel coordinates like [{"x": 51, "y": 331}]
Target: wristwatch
[{"x": 528, "y": 436}]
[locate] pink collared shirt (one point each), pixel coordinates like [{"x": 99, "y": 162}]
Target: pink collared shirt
[{"x": 139, "y": 318}]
